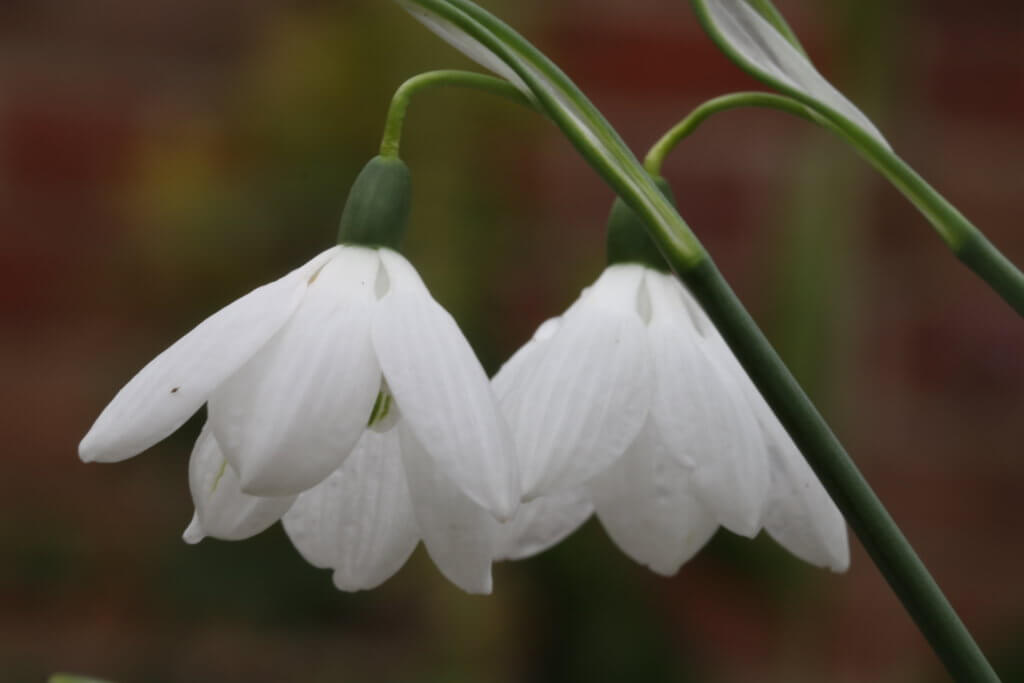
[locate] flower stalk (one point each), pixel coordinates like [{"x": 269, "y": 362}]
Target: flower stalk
[
  {"x": 888, "y": 547},
  {"x": 587, "y": 129},
  {"x": 663, "y": 147},
  {"x": 754, "y": 35},
  {"x": 392, "y": 138},
  {"x": 584, "y": 126},
  {"x": 966, "y": 241}
]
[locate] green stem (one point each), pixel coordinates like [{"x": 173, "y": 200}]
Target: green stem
[
  {"x": 890, "y": 550},
  {"x": 965, "y": 240},
  {"x": 584, "y": 126},
  {"x": 663, "y": 147},
  {"x": 602, "y": 147},
  {"x": 392, "y": 137},
  {"x": 865, "y": 513}
]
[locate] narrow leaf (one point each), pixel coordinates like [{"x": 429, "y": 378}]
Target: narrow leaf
[{"x": 761, "y": 50}]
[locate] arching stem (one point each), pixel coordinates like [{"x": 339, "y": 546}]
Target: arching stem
[
  {"x": 392, "y": 138},
  {"x": 968, "y": 243}
]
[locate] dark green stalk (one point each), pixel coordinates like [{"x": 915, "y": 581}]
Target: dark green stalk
[
  {"x": 888, "y": 548},
  {"x": 968, "y": 243}
]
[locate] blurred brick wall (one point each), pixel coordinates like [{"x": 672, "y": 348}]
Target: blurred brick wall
[{"x": 925, "y": 388}]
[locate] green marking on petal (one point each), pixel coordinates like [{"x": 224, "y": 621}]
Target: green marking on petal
[
  {"x": 216, "y": 481},
  {"x": 381, "y": 408}
]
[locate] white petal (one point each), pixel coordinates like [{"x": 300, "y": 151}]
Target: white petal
[
  {"x": 542, "y": 523},
  {"x": 359, "y": 520},
  {"x": 442, "y": 392},
  {"x": 700, "y": 410},
  {"x": 176, "y": 383},
  {"x": 588, "y": 391},
  {"x": 517, "y": 368},
  {"x": 193, "y": 532},
  {"x": 766, "y": 51},
  {"x": 801, "y": 516},
  {"x": 293, "y": 413},
  {"x": 464, "y": 43},
  {"x": 459, "y": 535},
  {"x": 799, "y": 513},
  {"x": 222, "y": 510},
  {"x": 647, "y": 503}
]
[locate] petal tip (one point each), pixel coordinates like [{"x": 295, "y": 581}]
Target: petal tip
[
  {"x": 194, "y": 533},
  {"x": 839, "y": 567},
  {"x": 840, "y": 560},
  {"x": 486, "y": 587},
  {"x": 90, "y": 449},
  {"x": 86, "y": 453}
]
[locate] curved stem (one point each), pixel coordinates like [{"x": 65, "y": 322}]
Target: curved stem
[
  {"x": 584, "y": 126},
  {"x": 969, "y": 244},
  {"x": 392, "y": 137},
  {"x": 966, "y": 241},
  {"x": 661, "y": 149}
]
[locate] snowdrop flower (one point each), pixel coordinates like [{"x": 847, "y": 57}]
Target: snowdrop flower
[
  {"x": 633, "y": 397},
  {"x": 341, "y": 384}
]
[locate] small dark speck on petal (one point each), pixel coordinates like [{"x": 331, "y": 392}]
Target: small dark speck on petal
[{"x": 175, "y": 390}]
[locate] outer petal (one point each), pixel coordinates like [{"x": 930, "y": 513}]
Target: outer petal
[
  {"x": 648, "y": 505},
  {"x": 702, "y": 413},
  {"x": 542, "y": 523},
  {"x": 442, "y": 392},
  {"x": 755, "y": 42},
  {"x": 583, "y": 395},
  {"x": 293, "y": 413},
  {"x": 799, "y": 513},
  {"x": 222, "y": 510},
  {"x": 176, "y": 383},
  {"x": 460, "y": 536},
  {"x": 359, "y": 521},
  {"x": 517, "y": 368}
]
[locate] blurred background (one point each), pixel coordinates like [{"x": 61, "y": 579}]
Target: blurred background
[{"x": 159, "y": 159}]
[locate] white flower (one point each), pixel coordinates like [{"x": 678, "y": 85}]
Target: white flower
[
  {"x": 633, "y": 396},
  {"x": 293, "y": 374}
]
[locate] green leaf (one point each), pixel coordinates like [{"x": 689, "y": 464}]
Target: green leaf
[
  {"x": 760, "y": 49},
  {"x": 463, "y": 42},
  {"x": 775, "y": 18}
]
